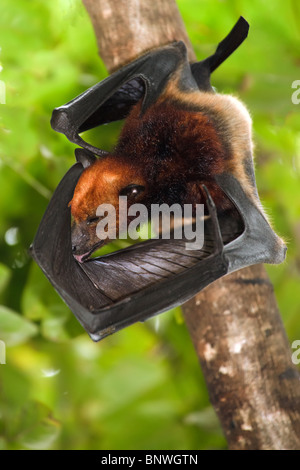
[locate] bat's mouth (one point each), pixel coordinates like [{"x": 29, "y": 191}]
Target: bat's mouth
[{"x": 81, "y": 258}]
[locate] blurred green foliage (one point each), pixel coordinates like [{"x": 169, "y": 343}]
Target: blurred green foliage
[{"x": 142, "y": 388}]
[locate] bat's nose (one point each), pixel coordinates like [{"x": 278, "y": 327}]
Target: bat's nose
[
  {"x": 79, "y": 257},
  {"x": 80, "y": 240}
]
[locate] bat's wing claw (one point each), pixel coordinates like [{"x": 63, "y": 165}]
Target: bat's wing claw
[{"x": 218, "y": 242}]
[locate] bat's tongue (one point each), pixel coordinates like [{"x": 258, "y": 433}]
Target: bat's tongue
[{"x": 81, "y": 258}]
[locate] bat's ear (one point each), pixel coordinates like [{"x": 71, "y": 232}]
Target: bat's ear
[{"x": 85, "y": 157}]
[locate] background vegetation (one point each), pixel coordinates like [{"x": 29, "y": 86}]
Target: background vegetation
[{"x": 142, "y": 388}]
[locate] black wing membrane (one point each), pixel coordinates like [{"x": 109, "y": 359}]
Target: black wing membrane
[
  {"x": 111, "y": 99},
  {"x": 116, "y": 290},
  {"x": 118, "y": 106},
  {"x": 203, "y": 69},
  {"x": 258, "y": 243}
]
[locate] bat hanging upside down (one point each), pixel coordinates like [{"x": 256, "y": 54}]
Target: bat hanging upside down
[{"x": 181, "y": 143}]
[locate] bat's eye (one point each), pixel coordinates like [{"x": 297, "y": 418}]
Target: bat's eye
[
  {"x": 132, "y": 190},
  {"x": 92, "y": 220}
]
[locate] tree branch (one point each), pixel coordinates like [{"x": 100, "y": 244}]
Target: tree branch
[
  {"x": 234, "y": 323},
  {"x": 245, "y": 356},
  {"x": 125, "y": 29}
]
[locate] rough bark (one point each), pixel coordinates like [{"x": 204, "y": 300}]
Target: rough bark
[
  {"x": 125, "y": 29},
  {"x": 234, "y": 323},
  {"x": 245, "y": 356}
]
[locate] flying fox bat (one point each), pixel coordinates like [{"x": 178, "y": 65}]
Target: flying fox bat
[{"x": 181, "y": 143}]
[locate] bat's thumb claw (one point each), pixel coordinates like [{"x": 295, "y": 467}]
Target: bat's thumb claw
[{"x": 85, "y": 157}]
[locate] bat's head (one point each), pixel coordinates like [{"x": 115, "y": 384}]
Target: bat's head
[{"x": 95, "y": 205}]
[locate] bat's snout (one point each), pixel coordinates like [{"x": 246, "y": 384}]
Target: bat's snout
[
  {"x": 80, "y": 258},
  {"x": 83, "y": 241}
]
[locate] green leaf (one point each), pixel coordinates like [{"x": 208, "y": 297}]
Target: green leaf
[
  {"x": 5, "y": 274},
  {"x": 15, "y": 329},
  {"x": 40, "y": 430}
]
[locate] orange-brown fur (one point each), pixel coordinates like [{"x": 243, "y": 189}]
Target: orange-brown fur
[
  {"x": 180, "y": 142},
  {"x": 101, "y": 183}
]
